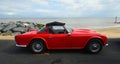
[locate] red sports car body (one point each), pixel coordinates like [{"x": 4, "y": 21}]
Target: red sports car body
[{"x": 57, "y": 35}]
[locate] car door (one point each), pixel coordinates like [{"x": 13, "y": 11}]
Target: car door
[
  {"x": 58, "y": 39},
  {"x": 77, "y": 41}
]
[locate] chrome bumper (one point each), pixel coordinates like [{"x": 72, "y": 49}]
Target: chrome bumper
[
  {"x": 21, "y": 45},
  {"x": 106, "y": 44}
]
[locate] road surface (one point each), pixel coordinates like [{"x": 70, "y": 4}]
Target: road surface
[{"x": 9, "y": 54}]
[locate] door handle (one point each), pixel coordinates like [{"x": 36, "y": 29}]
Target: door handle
[{"x": 49, "y": 37}]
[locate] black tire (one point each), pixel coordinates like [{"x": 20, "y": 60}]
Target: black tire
[
  {"x": 94, "y": 46},
  {"x": 37, "y": 46}
]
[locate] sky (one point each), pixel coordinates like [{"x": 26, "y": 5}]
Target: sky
[{"x": 59, "y": 8}]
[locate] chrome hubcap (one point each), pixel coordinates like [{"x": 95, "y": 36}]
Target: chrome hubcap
[
  {"x": 95, "y": 47},
  {"x": 37, "y": 47}
]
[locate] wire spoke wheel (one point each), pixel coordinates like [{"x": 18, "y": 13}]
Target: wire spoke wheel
[
  {"x": 94, "y": 46},
  {"x": 37, "y": 46}
]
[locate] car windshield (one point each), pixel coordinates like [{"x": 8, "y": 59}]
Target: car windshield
[
  {"x": 43, "y": 29},
  {"x": 68, "y": 28}
]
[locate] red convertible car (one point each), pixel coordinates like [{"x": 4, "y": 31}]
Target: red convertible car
[{"x": 57, "y": 35}]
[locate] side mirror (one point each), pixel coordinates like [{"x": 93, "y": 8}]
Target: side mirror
[{"x": 69, "y": 34}]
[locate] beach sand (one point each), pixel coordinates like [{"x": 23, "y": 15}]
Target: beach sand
[
  {"x": 6, "y": 37},
  {"x": 109, "y": 32}
]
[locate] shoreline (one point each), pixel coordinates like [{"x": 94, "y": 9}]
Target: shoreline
[{"x": 113, "y": 32}]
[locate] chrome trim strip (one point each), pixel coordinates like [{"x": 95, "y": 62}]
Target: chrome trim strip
[{"x": 21, "y": 45}]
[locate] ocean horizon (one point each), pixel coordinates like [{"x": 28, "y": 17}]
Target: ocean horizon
[{"x": 91, "y": 23}]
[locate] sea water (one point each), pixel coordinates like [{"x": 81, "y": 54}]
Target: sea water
[{"x": 91, "y": 23}]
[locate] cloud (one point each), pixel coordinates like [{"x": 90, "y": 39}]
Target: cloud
[
  {"x": 79, "y": 8},
  {"x": 39, "y": 2},
  {"x": 60, "y": 8},
  {"x": 9, "y": 13}
]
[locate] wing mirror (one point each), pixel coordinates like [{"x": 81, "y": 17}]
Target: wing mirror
[{"x": 69, "y": 34}]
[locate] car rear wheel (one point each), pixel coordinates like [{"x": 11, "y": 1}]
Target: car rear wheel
[
  {"x": 37, "y": 46},
  {"x": 94, "y": 46}
]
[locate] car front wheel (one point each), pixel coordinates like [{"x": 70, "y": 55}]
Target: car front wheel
[
  {"x": 37, "y": 46},
  {"x": 94, "y": 46}
]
